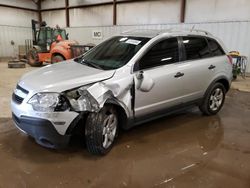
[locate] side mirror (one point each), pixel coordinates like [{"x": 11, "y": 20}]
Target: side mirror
[{"x": 145, "y": 83}]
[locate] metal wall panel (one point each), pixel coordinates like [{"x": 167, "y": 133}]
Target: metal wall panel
[
  {"x": 217, "y": 10},
  {"x": 46, "y": 4},
  {"x": 54, "y": 18},
  {"x": 86, "y": 2},
  {"x": 16, "y": 17},
  {"x": 149, "y": 12},
  {"x": 91, "y": 16},
  {"x": 20, "y": 3},
  {"x": 235, "y": 35},
  {"x": 17, "y": 34}
]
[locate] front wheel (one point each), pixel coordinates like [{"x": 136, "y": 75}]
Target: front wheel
[
  {"x": 101, "y": 130},
  {"x": 213, "y": 100},
  {"x": 33, "y": 58}
]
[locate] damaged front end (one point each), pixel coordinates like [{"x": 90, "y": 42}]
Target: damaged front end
[
  {"x": 88, "y": 98},
  {"x": 92, "y": 98}
]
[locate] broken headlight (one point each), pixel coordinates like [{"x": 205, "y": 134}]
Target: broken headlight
[
  {"x": 81, "y": 100},
  {"x": 48, "y": 102}
]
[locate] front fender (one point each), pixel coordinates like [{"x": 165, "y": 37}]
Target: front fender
[
  {"x": 93, "y": 98},
  {"x": 64, "y": 51}
]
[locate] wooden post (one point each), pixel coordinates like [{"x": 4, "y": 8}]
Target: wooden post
[
  {"x": 114, "y": 12},
  {"x": 67, "y": 13},
  {"x": 39, "y": 11},
  {"x": 183, "y": 11}
]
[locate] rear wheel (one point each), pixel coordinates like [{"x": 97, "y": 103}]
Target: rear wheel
[
  {"x": 57, "y": 59},
  {"x": 101, "y": 130},
  {"x": 214, "y": 99},
  {"x": 33, "y": 59}
]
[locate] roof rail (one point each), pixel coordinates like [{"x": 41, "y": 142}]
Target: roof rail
[
  {"x": 201, "y": 31},
  {"x": 137, "y": 30},
  {"x": 189, "y": 30}
]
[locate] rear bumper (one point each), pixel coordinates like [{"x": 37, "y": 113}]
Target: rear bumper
[{"x": 42, "y": 131}]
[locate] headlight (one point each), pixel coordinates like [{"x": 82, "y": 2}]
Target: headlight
[{"x": 44, "y": 102}]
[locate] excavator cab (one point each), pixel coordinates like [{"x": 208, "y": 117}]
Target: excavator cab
[
  {"x": 44, "y": 36},
  {"x": 51, "y": 45}
]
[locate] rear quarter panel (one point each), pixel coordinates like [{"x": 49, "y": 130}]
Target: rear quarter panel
[{"x": 223, "y": 69}]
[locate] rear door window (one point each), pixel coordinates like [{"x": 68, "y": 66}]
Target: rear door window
[
  {"x": 215, "y": 47},
  {"x": 196, "y": 48}
]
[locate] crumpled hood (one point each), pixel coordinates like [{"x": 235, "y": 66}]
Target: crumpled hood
[{"x": 62, "y": 76}]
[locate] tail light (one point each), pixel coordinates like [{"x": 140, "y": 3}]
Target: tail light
[{"x": 230, "y": 59}]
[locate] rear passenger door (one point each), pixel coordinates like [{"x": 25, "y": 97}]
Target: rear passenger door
[
  {"x": 197, "y": 66},
  {"x": 220, "y": 60}
]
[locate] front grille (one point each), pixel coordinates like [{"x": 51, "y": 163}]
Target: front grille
[
  {"x": 23, "y": 90},
  {"x": 18, "y": 99}
]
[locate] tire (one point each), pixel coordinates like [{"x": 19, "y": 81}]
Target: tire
[
  {"x": 101, "y": 129},
  {"x": 213, "y": 100},
  {"x": 57, "y": 59},
  {"x": 13, "y": 64},
  {"x": 33, "y": 59}
]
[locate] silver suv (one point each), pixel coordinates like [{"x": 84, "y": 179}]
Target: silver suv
[{"x": 125, "y": 81}]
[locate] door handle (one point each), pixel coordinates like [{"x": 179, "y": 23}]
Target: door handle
[
  {"x": 211, "y": 67},
  {"x": 139, "y": 76},
  {"x": 179, "y": 74}
]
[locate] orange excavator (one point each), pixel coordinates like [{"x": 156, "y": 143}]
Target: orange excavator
[{"x": 50, "y": 45}]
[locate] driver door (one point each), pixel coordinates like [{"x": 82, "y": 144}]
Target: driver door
[{"x": 160, "y": 66}]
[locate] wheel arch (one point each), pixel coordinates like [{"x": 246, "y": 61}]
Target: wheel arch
[
  {"x": 57, "y": 53},
  {"x": 62, "y": 50},
  {"x": 221, "y": 79},
  {"x": 81, "y": 119},
  {"x": 204, "y": 104},
  {"x": 224, "y": 82},
  {"x": 122, "y": 113}
]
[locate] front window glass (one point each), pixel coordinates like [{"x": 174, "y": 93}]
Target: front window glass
[
  {"x": 113, "y": 53},
  {"x": 49, "y": 40},
  {"x": 163, "y": 53},
  {"x": 42, "y": 35},
  {"x": 61, "y": 32}
]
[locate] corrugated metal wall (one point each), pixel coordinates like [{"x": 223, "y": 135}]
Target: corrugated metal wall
[
  {"x": 15, "y": 24},
  {"x": 235, "y": 35},
  {"x": 17, "y": 34}
]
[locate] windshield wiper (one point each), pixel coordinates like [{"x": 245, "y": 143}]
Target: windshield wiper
[
  {"x": 91, "y": 64},
  {"x": 78, "y": 59}
]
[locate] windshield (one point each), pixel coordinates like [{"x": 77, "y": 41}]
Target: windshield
[
  {"x": 61, "y": 32},
  {"x": 42, "y": 35},
  {"x": 113, "y": 53}
]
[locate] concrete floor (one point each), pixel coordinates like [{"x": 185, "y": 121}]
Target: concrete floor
[
  {"x": 8, "y": 81},
  {"x": 241, "y": 84},
  {"x": 182, "y": 150}
]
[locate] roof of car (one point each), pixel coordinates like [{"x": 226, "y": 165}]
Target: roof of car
[{"x": 150, "y": 33}]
